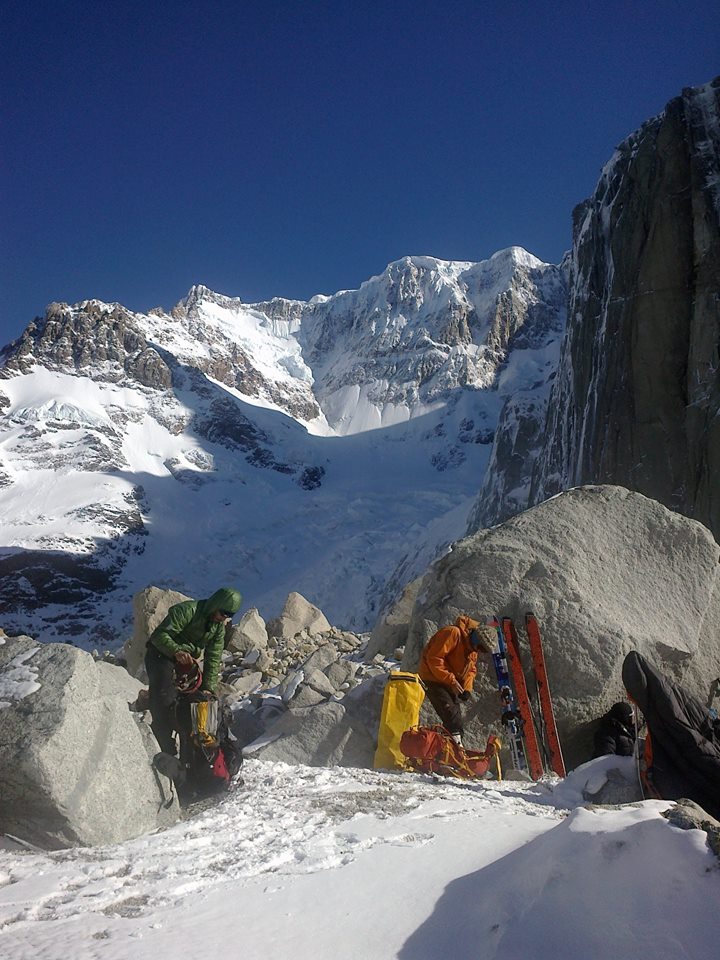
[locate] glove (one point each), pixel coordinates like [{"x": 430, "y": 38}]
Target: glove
[{"x": 465, "y": 695}]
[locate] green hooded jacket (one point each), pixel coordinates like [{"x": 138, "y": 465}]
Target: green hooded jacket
[{"x": 188, "y": 626}]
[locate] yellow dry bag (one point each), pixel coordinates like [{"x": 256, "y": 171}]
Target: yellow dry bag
[{"x": 404, "y": 694}]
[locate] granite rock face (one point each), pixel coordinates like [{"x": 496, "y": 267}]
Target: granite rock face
[
  {"x": 104, "y": 338},
  {"x": 75, "y": 762},
  {"x": 519, "y": 440},
  {"x": 392, "y": 627},
  {"x": 605, "y": 571},
  {"x": 637, "y": 394}
]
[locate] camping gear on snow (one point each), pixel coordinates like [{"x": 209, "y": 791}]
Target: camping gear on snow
[
  {"x": 682, "y": 746},
  {"x": 434, "y": 750},
  {"x": 209, "y": 754},
  {"x": 403, "y": 697},
  {"x": 534, "y": 742}
]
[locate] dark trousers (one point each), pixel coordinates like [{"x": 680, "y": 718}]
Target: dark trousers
[
  {"x": 163, "y": 695},
  {"x": 446, "y": 706}
]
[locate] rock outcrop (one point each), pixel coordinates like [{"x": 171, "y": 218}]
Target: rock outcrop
[
  {"x": 329, "y": 733},
  {"x": 91, "y": 336},
  {"x": 249, "y": 634},
  {"x": 391, "y": 629},
  {"x": 637, "y": 394},
  {"x": 605, "y": 571},
  {"x": 298, "y": 614},
  {"x": 687, "y": 815},
  {"x": 75, "y": 762}
]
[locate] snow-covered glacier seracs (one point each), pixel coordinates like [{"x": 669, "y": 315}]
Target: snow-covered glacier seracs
[
  {"x": 395, "y": 348},
  {"x": 280, "y": 446},
  {"x": 636, "y": 400}
]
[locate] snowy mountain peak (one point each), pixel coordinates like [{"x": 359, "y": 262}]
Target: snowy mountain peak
[
  {"x": 282, "y": 445},
  {"x": 198, "y": 294},
  {"x": 520, "y": 257}
]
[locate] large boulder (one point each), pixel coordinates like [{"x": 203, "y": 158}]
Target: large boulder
[
  {"x": 341, "y": 673},
  {"x": 150, "y": 607},
  {"x": 249, "y": 634},
  {"x": 391, "y": 629},
  {"x": 297, "y": 615},
  {"x": 325, "y": 654},
  {"x": 605, "y": 571},
  {"x": 75, "y": 762}
]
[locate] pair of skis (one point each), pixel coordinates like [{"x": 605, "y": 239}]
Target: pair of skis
[{"x": 532, "y": 734}]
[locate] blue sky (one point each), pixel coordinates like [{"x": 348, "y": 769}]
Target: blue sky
[{"x": 274, "y": 148}]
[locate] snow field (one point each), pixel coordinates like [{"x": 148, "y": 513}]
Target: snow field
[{"x": 364, "y": 865}]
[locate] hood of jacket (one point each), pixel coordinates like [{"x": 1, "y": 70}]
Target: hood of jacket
[
  {"x": 466, "y": 625},
  {"x": 636, "y": 678},
  {"x": 223, "y": 599}
]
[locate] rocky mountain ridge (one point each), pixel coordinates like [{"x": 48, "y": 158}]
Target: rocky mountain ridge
[
  {"x": 130, "y": 440},
  {"x": 637, "y": 396},
  {"x": 636, "y": 399},
  {"x": 436, "y": 376}
]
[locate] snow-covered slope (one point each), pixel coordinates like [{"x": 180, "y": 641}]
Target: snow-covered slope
[
  {"x": 328, "y": 864},
  {"x": 394, "y": 348},
  {"x": 275, "y": 447}
]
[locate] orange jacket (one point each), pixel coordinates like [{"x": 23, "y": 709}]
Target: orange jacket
[{"x": 448, "y": 656}]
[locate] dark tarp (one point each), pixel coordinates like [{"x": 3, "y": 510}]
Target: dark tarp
[{"x": 684, "y": 737}]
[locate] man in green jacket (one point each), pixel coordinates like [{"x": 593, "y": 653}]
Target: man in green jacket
[{"x": 191, "y": 629}]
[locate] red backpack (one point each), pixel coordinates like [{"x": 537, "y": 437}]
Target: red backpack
[{"x": 433, "y": 750}]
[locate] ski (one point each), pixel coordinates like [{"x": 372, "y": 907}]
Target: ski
[
  {"x": 546, "y": 708},
  {"x": 510, "y": 717},
  {"x": 517, "y": 678}
]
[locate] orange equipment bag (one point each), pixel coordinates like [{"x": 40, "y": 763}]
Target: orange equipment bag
[{"x": 433, "y": 750}]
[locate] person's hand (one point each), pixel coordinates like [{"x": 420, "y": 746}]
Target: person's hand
[
  {"x": 458, "y": 689},
  {"x": 183, "y": 658}
]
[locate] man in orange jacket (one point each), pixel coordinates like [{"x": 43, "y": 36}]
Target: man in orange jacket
[{"x": 448, "y": 666}]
